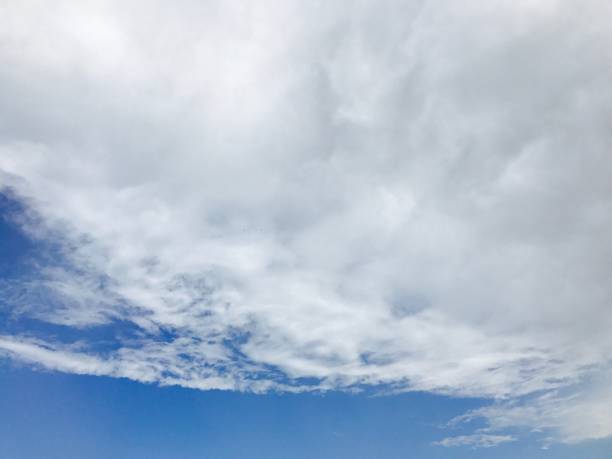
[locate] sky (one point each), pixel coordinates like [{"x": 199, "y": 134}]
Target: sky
[{"x": 357, "y": 229}]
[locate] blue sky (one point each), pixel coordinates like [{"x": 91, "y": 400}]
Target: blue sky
[
  {"x": 372, "y": 228},
  {"x": 66, "y": 416}
]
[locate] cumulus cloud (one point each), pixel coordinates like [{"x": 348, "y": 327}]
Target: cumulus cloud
[{"x": 292, "y": 196}]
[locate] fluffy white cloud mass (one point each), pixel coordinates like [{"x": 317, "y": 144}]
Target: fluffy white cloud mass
[{"x": 321, "y": 195}]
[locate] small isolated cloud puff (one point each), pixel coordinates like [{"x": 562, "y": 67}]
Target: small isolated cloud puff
[{"x": 291, "y": 196}]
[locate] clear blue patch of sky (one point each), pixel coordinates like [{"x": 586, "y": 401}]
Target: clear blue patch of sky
[{"x": 60, "y": 416}]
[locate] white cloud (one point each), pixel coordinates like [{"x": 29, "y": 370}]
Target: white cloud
[
  {"x": 476, "y": 440},
  {"x": 406, "y": 193},
  {"x": 571, "y": 415},
  {"x": 51, "y": 358}
]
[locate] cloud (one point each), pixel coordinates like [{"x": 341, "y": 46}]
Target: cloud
[
  {"x": 52, "y": 358},
  {"x": 570, "y": 415},
  {"x": 476, "y": 440},
  {"x": 310, "y": 197}
]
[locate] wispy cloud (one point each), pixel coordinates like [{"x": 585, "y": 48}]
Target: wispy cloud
[
  {"x": 568, "y": 415},
  {"x": 476, "y": 440},
  {"x": 294, "y": 196}
]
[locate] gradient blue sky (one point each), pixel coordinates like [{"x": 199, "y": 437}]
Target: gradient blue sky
[{"x": 60, "y": 416}]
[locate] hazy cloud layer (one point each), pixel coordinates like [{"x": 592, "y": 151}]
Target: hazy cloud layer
[{"x": 320, "y": 195}]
